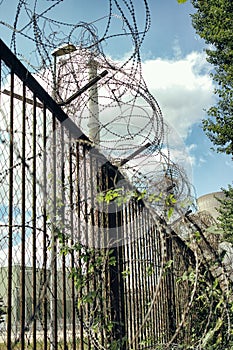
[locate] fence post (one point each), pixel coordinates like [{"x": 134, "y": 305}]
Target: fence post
[
  {"x": 170, "y": 286},
  {"x": 115, "y": 271}
]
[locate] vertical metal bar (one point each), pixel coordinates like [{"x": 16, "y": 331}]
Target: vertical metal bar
[
  {"x": 92, "y": 285},
  {"x": 64, "y": 241},
  {"x": 10, "y": 215},
  {"x": 157, "y": 245},
  {"x": 131, "y": 276},
  {"x": 71, "y": 199},
  {"x": 170, "y": 286},
  {"x": 148, "y": 270},
  {"x": 34, "y": 267},
  {"x": 45, "y": 255},
  {"x": 79, "y": 151},
  {"x": 149, "y": 230},
  {"x": 137, "y": 276},
  {"x": 161, "y": 312},
  {"x": 53, "y": 301},
  {"x": 134, "y": 270},
  {"x": 139, "y": 267},
  {"x": 165, "y": 296},
  {"x": 162, "y": 294},
  {"x": 86, "y": 218},
  {"x": 22, "y": 279},
  {"x": 92, "y": 195},
  {"x": 107, "y": 287},
  {"x": 159, "y": 307},
  {"x": 85, "y": 177},
  {"x": 156, "y": 257},
  {"x": 146, "y": 263},
  {"x": 162, "y": 298},
  {"x": 100, "y": 225},
  {"x": 127, "y": 269},
  {"x": 143, "y": 271},
  {"x": 107, "y": 302},
  {"x": 154, "y": 277},
  {"x": 116, "y": 282},
  {"x": 93, "y": 214},
  {"x": 121, "y": 283}
]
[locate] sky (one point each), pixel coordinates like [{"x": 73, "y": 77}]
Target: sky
[{"x": 174, "y": 68}]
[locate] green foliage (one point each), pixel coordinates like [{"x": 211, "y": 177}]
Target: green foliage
[
  {"x": 110, "y": 195},
  {"x": 118, "y": 195},
  {"x": 170, "y": 202},
  {"x": 188, "y": 275},
  {"x": 150, "y": 269},
  {"x": 90, "y": 277},
  {"x": 226, "y": 214},
  {"x": 210, "y": 314},
  {"x": 213, "y": 21},
  {"x": 125, "y": 273},
  {"x": 181, "y": 1},
  {"x": 121, "y": 196},
  {"x": 208, "y": 309}
]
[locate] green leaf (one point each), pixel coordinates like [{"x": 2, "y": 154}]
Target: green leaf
[
  {"x": 150, "y": 270},
  {"x": 211, "y": 333},
  {"x": 125, "y": 273},
  {"x": 141, "y": 195},
  {"x": 170, "y": 212},
  {"x": 112, "y": 261},
  {"x": 168, "y": 264}
]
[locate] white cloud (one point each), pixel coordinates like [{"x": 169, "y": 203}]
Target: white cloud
[
  {"x": 191, "y": 154},
  {"x": 182, "y": 88},
  {"x": 177, "y": 49},
  {"x": 201, "y": 161},
  {"x": 192, "y": 147}
]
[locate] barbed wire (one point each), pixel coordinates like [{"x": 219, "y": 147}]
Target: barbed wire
[
  {"x": 124, "y": 101},
  {"x": 130, "y": 130}
]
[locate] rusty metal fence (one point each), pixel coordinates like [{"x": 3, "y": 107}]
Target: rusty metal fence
[{"x": 76, "y": 272}]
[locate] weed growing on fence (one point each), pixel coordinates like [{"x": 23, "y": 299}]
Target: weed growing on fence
[
  {"x": 206, "y": 310},
  {"x": 209, "y": 318}
]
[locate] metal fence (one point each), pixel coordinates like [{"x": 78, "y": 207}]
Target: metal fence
[{"x": 76, "y": 271}]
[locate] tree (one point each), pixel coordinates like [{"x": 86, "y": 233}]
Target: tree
[
  {"x": 213, "y": 22},
  {"x": 226, "y": 214}
]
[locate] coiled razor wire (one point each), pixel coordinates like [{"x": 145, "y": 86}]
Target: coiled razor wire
[{"x": 130, "y": 128}]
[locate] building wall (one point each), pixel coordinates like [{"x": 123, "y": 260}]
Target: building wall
[
  {"x": 16, "y": 290},
  {"x": 209, "y": 203}
]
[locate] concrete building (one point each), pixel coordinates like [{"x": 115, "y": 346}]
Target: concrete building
[
  {"x": 210, "y": 203},
  {"x": 40, "y": 296}
]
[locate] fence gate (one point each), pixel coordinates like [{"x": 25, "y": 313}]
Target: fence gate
[{"x": 76, "y": 271}]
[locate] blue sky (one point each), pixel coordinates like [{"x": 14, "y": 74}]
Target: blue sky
[{"x": 174, "y": 68}]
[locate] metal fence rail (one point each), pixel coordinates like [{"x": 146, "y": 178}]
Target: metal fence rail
[{"x": 76, "y": 272}]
